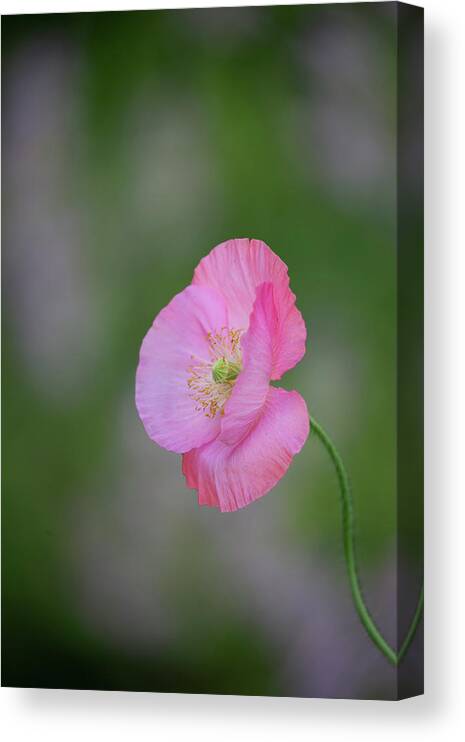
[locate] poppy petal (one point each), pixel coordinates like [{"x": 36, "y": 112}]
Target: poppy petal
[
  {"x": 236, "y": 268},
  {"x": 177, "y": 338},
  {"x": 231, "y": 477},
  {"x": 251, "y": 388}
]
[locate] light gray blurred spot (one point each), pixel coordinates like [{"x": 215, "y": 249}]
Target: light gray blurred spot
[
  {"x": 173, "y": 185},
  {"x": 226, "y": 27},
  {"x": 345, "y": 121},
  {"x": 49, "y": 286}
]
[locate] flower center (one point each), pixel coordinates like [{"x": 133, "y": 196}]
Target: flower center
[
  {"x": 211, "y": 382},
  {"x": 224, "y": 371}
]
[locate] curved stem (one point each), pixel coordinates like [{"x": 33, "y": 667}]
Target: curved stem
[
  {"x": 413, "y": 627},
  {"x": 349, "y": 551}
]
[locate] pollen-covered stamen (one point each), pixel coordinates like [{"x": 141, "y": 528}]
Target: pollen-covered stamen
[{"x": 211, "y": 383}]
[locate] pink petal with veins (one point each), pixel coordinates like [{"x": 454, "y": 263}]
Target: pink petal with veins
[
  {"x": 236, "y": 268},
  {"x": 231, "y": 477},
  {"x": 251, "y": 388},
  {"x": 178, "y": 335}
]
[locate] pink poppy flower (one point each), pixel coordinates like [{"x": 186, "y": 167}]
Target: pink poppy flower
[{"x": 203, "y": 381}]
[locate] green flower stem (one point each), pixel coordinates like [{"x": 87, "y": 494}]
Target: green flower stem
[
  {"x": 349, "y": 551},
  {"x": 413, "y": 627}
]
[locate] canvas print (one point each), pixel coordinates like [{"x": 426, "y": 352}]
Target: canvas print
[{"x": 212, "y": 293}]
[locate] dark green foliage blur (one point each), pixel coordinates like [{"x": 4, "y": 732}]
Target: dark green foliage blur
[{"x": 132, "y": 144}]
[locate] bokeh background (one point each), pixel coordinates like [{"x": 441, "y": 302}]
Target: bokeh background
[{"x": 132, "y": 144}]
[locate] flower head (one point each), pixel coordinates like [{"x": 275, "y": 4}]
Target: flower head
[{"x": 203, "y": 381}]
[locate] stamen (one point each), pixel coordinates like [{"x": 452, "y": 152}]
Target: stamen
[{"x": 211, "y": 383}]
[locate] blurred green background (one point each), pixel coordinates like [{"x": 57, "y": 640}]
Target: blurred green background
[{"x": 132, "y": 144}]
